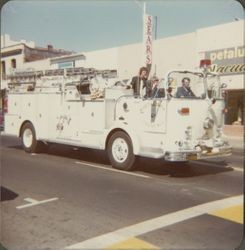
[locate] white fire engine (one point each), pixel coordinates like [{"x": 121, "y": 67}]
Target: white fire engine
[{"x": 67, "y": 109}]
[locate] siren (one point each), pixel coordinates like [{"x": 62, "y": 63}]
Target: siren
[{"x": 205, "y": 63}]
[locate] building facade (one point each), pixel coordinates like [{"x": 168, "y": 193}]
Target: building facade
[
  {"x": 223, "y": 44},
  {"x": 21, "y": 55}
]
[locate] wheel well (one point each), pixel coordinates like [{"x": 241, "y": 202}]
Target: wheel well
[
  {"x": 112, "y": 132},
  {"x": 24, "y": 123}
]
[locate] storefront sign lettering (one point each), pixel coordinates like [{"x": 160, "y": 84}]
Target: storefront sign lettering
[
  {"x": 232, "y": 53},
  {"x": 227, "y": 61},
  {"x": 148, "y": 39}
]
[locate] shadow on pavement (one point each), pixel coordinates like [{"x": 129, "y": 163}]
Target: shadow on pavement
[
  {"x": 2, "y": 247},
  {"x": 146, "y": 165},
  {"x": 7, "y": 194},
  {"x": 82, "y": 154},
  {"x": 182, "y": 169}
]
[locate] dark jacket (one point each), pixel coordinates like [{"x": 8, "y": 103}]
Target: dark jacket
[
  {"x": 135, "y": 82},
  {"x": 184, "y": 92}
]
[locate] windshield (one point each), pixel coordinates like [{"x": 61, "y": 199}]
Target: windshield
[{"x": 184, "y": 84}]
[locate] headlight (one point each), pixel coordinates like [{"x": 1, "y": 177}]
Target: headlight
[{"x": 208, "y": 123}]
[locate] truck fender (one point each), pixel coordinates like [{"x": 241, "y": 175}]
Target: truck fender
[
  {"x": 34, "y": 126},
  {"x": 128, "y": 130}
]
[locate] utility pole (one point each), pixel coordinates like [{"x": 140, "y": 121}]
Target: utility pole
[{"x": 143, "y": 20}]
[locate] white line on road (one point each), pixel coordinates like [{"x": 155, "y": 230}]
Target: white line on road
[
  {"x": 122, "y": 234},
  {"x": 33, "y": 202},
  {"x": 111, "y": 169}
]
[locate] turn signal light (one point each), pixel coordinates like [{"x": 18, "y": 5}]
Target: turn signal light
[{"x": 184, "y": 111}]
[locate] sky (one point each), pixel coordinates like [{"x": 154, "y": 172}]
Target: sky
[{"x": 80, "y": 25}]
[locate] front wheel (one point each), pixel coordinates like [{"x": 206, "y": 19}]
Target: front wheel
[
  {"x": 120, "y": 151},
  {"x": 28, "y": 138}
]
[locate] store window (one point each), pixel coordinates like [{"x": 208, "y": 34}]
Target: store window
[
  {"x": 13, "y": 63},
  {"x": 66, "y": 65},
  {"x": 3, "y": 69},
  {"x": 235, "y": 105}
]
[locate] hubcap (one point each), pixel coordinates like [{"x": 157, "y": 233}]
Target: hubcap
[
  {"x": 27, "y": 138},
  {"x": 120, "y": 150}
]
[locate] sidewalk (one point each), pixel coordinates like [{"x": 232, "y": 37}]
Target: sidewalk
[
  {"x": 237, "y": 143},
  {"x": 235, "y": 135}
]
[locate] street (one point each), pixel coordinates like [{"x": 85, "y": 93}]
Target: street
[{"x": 69, "y": 198}]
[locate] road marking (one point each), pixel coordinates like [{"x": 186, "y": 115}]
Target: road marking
[
  {"x": 33, "y": 202},
  {"x": 156, "y": 223},
  {"x": 234, "y": 213},
  {"x": 131, "y": 244},
  {"x": 111, "y": 169}
]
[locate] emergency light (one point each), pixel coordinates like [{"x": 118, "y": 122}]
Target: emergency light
[{"x": 205, "y": 63}]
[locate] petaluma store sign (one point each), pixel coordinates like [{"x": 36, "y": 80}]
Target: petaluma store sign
[{"x": 227, "y": 61}]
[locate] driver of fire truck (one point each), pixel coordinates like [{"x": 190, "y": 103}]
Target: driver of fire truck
[
  {"x": 185, "y": 89},
  {"x": 138, "y": 83}
]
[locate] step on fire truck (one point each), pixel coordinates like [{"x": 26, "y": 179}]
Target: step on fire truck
[{"x": 88, "y": 108}]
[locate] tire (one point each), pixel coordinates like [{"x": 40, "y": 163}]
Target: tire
[
  {"x": 28, "y": 138},
  {"x": 120, "y": 151}
]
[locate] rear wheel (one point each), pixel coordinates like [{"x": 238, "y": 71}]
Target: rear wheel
[
  {"x": 120, "y": 151},
  {"x": 28, "y": 138}
]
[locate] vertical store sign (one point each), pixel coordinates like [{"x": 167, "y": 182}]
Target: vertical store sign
[{"x": 148, "y": 28}]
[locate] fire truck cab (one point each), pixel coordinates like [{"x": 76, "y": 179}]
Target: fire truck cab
[{"x": 61, "y": 109}]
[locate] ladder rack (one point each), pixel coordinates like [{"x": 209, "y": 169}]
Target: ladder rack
[
  {"x": 80, "y": 71},
  {"x": 55, "y": 78}
]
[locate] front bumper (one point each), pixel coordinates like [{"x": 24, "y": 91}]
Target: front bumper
[{"x": 204, "y": 153}]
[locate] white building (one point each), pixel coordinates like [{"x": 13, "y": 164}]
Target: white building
[
  {"x": 6, "y": 42},
  {"x": 23, "y": 55},
  {"x": 223, "y": 44}
]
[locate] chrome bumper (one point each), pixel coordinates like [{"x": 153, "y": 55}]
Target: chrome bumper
[{"x": 191, "y": 155}]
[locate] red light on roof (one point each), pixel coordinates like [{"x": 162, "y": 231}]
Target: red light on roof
[{"x": 205, "y": 63}]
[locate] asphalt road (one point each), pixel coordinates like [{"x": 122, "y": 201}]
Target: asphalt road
[{"x": 69, "y": 198}]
